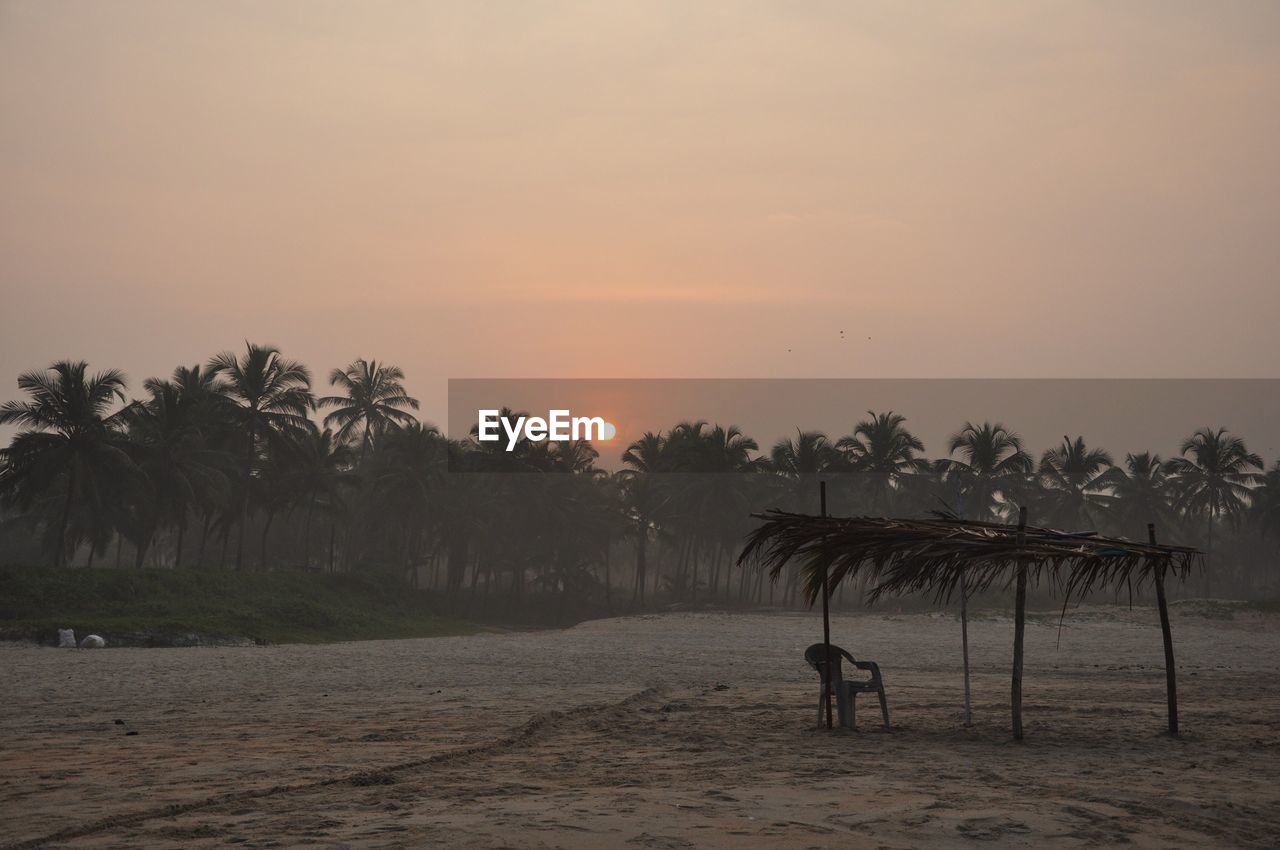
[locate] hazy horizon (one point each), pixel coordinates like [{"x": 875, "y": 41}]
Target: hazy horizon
[
  {"x": 643, "y": 190},
  {"x": 1120, "y": 416}
]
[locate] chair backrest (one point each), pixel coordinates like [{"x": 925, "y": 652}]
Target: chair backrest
[{"x": 816, "y": 657}]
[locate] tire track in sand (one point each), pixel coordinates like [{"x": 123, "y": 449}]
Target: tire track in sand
[{"x": 538, "y": 726}]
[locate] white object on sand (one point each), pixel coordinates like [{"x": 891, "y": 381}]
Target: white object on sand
[
  {"x": 92, "y": 642},
  {"x": 66, "y": 639}
]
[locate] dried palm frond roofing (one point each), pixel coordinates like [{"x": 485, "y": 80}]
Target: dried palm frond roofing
[{"x": 899, "y": 556}]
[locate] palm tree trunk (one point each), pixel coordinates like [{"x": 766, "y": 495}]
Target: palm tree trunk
[
  {"x": 456, "y": 556},
  {"x": 352, "y": 541},
  {"x": 681, "y": 572},
  {"x": 140, "y": 552},
  {"x": 266, "y": 530},
  {"x": 682, "y": 565},
  {"x": 333, "y": 536},
  {"x": 415, "y": 545},
  {"x": 177, "y": 547},
  {"x": 964, "y": 648},
  {"x": 119, "y": 541},
  {"x": 60, "y": 544},
  {"x": 244, "y": 500},
  {"x": 204, "y": 536},
  {"x": 1208, "y": 554},
  {"x": 642, "y": 544},
  {"x": 608, "y": 582},
  {"x": 693, "y": 571},
  {"x": 405, "y": 557},
  {"x": 306, "y": 533}
]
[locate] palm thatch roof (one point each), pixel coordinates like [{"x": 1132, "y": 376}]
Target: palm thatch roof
[{"x": 899, "y": 556}]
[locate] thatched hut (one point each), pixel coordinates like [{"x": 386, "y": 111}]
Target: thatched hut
[{"x": 938, "y": 556}]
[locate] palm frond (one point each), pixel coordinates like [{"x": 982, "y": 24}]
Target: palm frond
[{"x": 900, "y": 556}]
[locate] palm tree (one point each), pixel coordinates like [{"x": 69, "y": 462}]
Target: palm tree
[
  {"x": 411, "y": 474},
  {"x": 885, "y": 451},
  {"x": 269, "y": 397},
  {"x": 204, "y": 411},
  {"x": 809, "y": 453},
  {"x": 196, "y": 385},
  {"x": 572, "y": 456},
  {"x": 1266, "y": 503},
  {"x": 318, "y": 470},
  {"x": 644, "y": 457},
  {"x": 992, "y": 466},
  {"x": 374, "y": 395},
  {"x": 710, "y": 508},
  {"x": 799, "y": 462},
  {"x": 183, "y": 474},
  {"x": 70, "y": 445},
  {"x": 727, "y": 449},
  {"x": 1074, "y": 479},
  {"x": 1141, "y": 494},
  {"x": 1213, "y": 479}
]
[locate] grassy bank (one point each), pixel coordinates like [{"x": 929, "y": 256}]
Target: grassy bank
[{"x": 168, "y": 607}]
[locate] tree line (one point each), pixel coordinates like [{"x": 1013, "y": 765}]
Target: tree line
[{"x": 238, "y": 464}]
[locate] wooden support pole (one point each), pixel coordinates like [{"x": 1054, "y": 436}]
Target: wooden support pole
[
  {"x": 1019, "y": 628},
  {"x": 1170, "y": 674},
  {"x": 826, "y": 611},
  {"x": 964, "y": 643}
]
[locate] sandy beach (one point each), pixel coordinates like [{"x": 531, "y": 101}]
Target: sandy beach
[{"x": 669, "y": 731}]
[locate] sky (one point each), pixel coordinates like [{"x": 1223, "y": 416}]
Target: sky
[{"x": 652, "y": 189}]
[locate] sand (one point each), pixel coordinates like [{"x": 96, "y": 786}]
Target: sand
[{"x": 668, "y": 731}]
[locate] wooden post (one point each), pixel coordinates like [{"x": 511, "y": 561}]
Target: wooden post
[
  {"x": 826, "y": 612},
  {"x": 1019, "y": 628},
  {"x": 964, "y": 642},
  {"x": 1170, "y": 674}
]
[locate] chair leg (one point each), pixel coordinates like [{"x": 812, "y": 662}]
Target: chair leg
[
  {"x": 848, "y": 717},
  {"x": 884, "y": 707}
]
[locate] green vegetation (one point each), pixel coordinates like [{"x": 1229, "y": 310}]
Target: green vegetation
[{"x": 161, "y": 606}]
